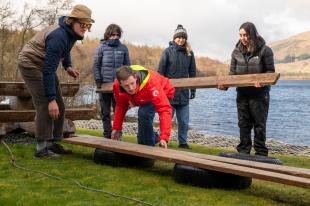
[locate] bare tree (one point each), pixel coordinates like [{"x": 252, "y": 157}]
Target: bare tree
[
  {"x": 54, "y": 9},
  {"x": 6, "y": 16},
  {"x": 28, "y": 20}
]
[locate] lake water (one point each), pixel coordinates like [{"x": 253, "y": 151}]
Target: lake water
[{"x": 214, "y": 112}]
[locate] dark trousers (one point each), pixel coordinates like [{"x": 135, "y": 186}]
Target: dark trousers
[
  {"x": 106, "y": 101},
  {"x": 146, "y": 135},
  {"x": 46, "y": 127},
  {"x": 252, "y": 112}
]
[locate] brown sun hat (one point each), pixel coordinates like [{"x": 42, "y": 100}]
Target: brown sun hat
[{"x": 81, "y": 12}]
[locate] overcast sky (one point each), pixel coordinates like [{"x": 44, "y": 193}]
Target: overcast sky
[{"x": 212, "y": 25}]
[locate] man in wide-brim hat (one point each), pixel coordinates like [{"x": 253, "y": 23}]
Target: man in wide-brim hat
[{"x": 38, "y": 62}]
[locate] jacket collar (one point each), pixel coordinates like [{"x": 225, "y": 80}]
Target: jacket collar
[{"x": 69, "y": 29}]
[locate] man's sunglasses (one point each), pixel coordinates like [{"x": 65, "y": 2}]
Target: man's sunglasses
[{"x": 85, "y": 25}]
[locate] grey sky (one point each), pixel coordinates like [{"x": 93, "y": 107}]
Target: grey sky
[{"x": 212, "y": 25}]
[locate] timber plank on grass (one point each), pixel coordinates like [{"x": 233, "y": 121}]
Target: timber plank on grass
[
  {"x": 19, "y": 89},
  {"x": 183, "y": 158},
  {"x": 294, "y": 171},
  {"x": 214, "y": 81},
  {"x": 29, "y": 115}
]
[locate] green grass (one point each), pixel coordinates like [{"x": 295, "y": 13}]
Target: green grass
[{"x": 154, "y": 185}]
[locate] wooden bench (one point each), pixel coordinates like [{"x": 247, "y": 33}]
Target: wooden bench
[
  {"x": 20, "y": 113},
  {"x": 19, "y": 89},
  {"x": 299, "y": 177},
  {"x": 29, "y": 115}
]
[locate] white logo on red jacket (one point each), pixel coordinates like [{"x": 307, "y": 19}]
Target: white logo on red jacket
[{"x": 155, "y": 93}]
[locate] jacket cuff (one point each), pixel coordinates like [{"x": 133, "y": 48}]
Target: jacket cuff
[
  {"x": 98, "y": 81},
  {"x": 51, "y": 98},
  {"x": 164, "y": 138}
]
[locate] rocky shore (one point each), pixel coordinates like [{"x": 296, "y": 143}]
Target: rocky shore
[{"x": 275, "y": 147}]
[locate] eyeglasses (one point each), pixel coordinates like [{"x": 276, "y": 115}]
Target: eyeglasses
[{"x": 85, "y": 25}]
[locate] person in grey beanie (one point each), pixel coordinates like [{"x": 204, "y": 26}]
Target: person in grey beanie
[{"x": 178, "y": 61}]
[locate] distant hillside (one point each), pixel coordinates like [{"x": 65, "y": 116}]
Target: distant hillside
[
  {"x": 294, "y": 70},
  {"x": 148, "y": 56},
  {"x": 295, "y": 48},
  {"x": 292, "y": 56}
]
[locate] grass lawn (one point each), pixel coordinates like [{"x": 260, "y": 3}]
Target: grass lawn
[{"x": 155, "y": 185}]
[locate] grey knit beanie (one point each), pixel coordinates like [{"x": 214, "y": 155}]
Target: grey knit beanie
[{"x": 180, "y": 32}]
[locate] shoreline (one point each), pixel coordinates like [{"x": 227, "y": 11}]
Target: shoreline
[{"x": 274, "y": 146}]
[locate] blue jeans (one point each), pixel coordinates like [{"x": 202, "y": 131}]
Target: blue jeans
[
  {"x": 182, "y": 112},
  {"x": 146, "y": 135}
]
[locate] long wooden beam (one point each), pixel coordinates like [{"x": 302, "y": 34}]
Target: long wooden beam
[
  {"x": 19, "y": 89},
  {"x": 172, "y": 156},
  {"x": 29, "y": 115},
  {"x": 214, "y": 81},
  {"x": 299, "y": 172}
]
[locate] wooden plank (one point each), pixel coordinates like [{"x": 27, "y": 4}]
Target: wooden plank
[
  {"x": 172, "y": 156},
  {"x": 299, "y": 172},
  {"x": 214, "y": 81},
  {"x": 28, "y": 115},
  {"x": 19, "y": 89}
]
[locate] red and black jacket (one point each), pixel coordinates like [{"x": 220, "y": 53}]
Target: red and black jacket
[{"x": 152, "y": 88}]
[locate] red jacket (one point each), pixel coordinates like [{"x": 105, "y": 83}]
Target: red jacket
[{"x": 152, "y": 88}]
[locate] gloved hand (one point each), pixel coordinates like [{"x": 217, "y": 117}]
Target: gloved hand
[
  {"x": 116, "y": 135},
  {"x": 192, "y": 96}
]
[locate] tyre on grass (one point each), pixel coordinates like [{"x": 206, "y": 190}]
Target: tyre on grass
[
  {"x": 118, "y": 159},
  {"x": 208, "y": 178}
]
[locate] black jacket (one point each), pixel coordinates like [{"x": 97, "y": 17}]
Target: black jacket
[
  {"x": 176, "y": 63},
  {"x": 261, "y": 61}
]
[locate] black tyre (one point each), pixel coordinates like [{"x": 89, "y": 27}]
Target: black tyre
[
  {"x": 107, "y": 157},
  {"x": 256, "y": 158},
  {"x": 118, "y": 159},
  {"x": 208, "y": 178},
  {"x": 135, "y": 161}
]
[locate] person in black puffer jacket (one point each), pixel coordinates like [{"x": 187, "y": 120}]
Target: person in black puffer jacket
[
  {"x": 178, "y": 61},
  {"x": 110, "y": 55},
  {"x": 252, "y": 56}
]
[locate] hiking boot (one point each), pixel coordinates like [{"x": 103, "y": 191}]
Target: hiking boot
[
  {"x": 59, "y": 149},
  {"x": 46, "y": 153},
  {"x": 184, "y": 146}
]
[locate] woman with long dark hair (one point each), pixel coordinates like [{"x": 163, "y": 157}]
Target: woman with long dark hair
[{"x": 252, "y": 56}]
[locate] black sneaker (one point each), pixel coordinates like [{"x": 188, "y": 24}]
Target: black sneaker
[
  {"x": 184, "y": 146},
  {"x": 59, "y": 149},
  {"x": 46, "y": 153}
]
